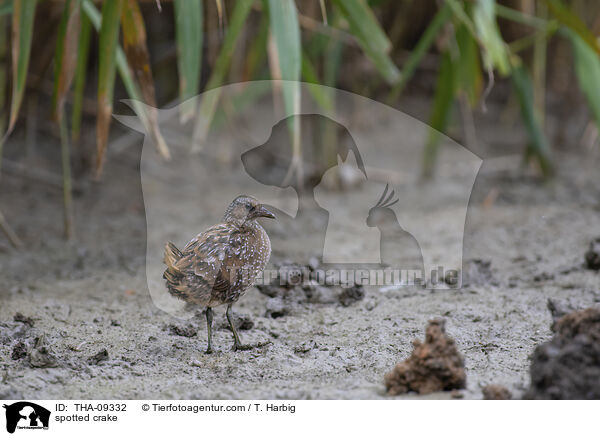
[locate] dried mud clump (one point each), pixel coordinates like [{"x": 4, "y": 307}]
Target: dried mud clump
[
  {"x": 351, "y": 295},
  {"x": 297, "y": 285},
  {"x": 592, "y": 256},
  {"x": 19, "y": 317},
  {"x": 185, "y": 331},
  {"x": 435, "y": 365},
  {"x": 568, "y": 366},
  {"x": 19, "y": 351},
  {"x": 241, "y": 321},
  {"x": 99, "y": 357},
  {"x": 496, "y": 392},
  {"x": 41, "y": 354}
]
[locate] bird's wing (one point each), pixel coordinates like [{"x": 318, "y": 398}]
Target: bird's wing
[{"x": 211, "y": 259}]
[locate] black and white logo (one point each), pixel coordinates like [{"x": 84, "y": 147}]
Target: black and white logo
[{"x": 26, "y": 415}]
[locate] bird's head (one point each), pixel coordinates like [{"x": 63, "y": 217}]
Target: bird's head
[
  {"x": 244, "y": 209},
  {"x": 381, "y": 214}
]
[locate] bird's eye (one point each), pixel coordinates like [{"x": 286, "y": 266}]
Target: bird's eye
[{"x": 250, "y": 207}]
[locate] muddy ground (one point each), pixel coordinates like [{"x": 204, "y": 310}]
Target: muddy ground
[{"x": 95, "y": 333}]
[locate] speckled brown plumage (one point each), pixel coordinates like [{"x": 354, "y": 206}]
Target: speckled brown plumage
[{"x": 220, "y": 264}]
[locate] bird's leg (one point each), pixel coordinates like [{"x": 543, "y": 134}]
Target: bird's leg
[
  {"x": 209, "y": 319},
  {"x": 237, "y": 344}
]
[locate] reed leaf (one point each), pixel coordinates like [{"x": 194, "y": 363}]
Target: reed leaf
[
  {"x": 286, "y": 34},
  {"x": 441, "y": 17},
  {"x": 538, "y": 66},
  {"x": 495, "y": 53},
  {"x": 442, "y": 105},
  {"x": 22, "y": 32},
  {"x": 285, "y": 31},
  {"x": 520, "y": 17},
  {"x": 69, "y": 227},
  {"x": 587, "y": 69},
  {"x": 65, "y": 56},
  {"x": 83, "y": 50},
  {"x": 537, "y": 147},
  {"x": 209, "y": 101},
  {"x": 65, "y": 62},
  {"x": 319, "y": 93},
  {"x": 6, "y": 8},
  {"x": 136, "y": 50},
  {"x": 370, "y": 36},
  {"x": 109, "y": 38},
  {"x": 220, "y": 13},
  {"x": 124, "y": 71},
  {"x": 569, "y": 19},
  {"x": 334, "y": 50},
  {"x": 469, "y": 75},
  {"x": 257, "y": 52},
  {"x": 4, "y": 73},
  {"x": 4, "y": 67},
  {"x": 188, "y": 35},
  {"x": 364, "y": 24}
]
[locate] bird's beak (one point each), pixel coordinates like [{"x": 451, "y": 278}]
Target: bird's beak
[{"x": 261, "y": 211}]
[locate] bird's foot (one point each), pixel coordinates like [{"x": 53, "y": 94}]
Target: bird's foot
[{"x": 238, "y": 346}]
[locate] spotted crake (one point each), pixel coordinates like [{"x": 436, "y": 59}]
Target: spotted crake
[{"x": 220, "y": 264}]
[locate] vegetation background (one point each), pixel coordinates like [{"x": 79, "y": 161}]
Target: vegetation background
[{"x": 64, "y": 63}]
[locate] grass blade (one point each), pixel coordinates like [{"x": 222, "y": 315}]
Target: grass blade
[
  {"x": 67, "y": 182},
  {"x": 364, "y": 24},
  {"x": 136, "y": 50},
  {"x": 124, "y": 72},
  {"x": 220, "y": 13},
  {"x": 208, "y": 102},
  {"x": 538, "y": 146},
  {"x": 540, "y": 54},
  {"x": 109, "y": 38},
  {"x": 286, "y": 34},
  {"x": 257, "y": 52},
  {"x": 334, "y": 50},
  {"x": 442, "y": 105},
  {"x": 4, "y": 66},
  {"x": 521, "y": 17},
  {"x": 370, "y": 36},
  {"x": 495, "y": 53},
  {"x": 469, "y": 75},
  {"x": 587, "y": 68},
  {"x": 65, "y": 56},
  {"x": 188, "y": 34},
  {"x": 65, "y": 61},
  {"x": 323, "y": 11},
  {"x": 285, "y": 31},
  {"x": 441, "y": 17},
  {"x": 309, "y": 74},
  {"x": 6, "y": 8},
  {"x": 83, "y": 50},
  {"x": 22, "y": 32},
  {"x": 573, "y": 22}
]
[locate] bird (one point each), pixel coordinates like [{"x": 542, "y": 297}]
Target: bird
[{"x": 220, "y": 264}]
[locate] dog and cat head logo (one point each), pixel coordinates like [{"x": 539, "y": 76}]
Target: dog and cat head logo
[{"x": 26, "y": 415}]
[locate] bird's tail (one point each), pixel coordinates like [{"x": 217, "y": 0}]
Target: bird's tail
[{"x": 172, "y": 255}]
